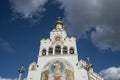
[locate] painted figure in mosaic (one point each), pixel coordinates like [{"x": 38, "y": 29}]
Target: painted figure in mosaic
[
  {"x": 69, "y": 75},
  {"x": 44, "y": 75},
  {"x": 57, "y": 68}
]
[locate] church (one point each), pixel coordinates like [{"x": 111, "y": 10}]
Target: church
[{"x": 58, "y": 59}]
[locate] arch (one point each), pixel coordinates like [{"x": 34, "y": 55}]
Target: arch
[
  {"x": 44, "y": 52},
  {"x": 65, "y": 50},
  {"x": 57, "y": 49},
  {"x": 50, "y": 51},
  {"x": 71, "y": 50}
]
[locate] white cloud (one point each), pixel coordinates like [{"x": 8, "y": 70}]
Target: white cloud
[
  {"x": 106, "y": 37},
  {"x": 28, "y": 8},
  {"x": 79, "y": 14},
  {"x": 112, "y": 73},
  {"x": 1, "y": 78},
  {"x": 82, "y": 15}
]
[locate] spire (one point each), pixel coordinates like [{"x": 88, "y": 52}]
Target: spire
[
  {"x": 88, "y": 64},
  {"x": 21, "y": 71}
]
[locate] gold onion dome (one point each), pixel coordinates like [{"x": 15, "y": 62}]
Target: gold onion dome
[{"x": 59, "y": 21}]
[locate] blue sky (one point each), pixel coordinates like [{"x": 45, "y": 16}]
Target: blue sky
[{"x": 95, "y": 23}]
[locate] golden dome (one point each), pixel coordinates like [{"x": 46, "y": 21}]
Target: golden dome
[{"x": 59, "y": 21}]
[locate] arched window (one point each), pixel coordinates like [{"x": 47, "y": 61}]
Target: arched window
[
  {"x": 71, "y": 50},
  {"x": 50, "y": 51},
  {"x": 64, "y": 50},
  {"x": 57, "y": 49},
  {"x": 43, "y": 52}
]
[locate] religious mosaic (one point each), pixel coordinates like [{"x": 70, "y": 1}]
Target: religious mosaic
[{"x": 58, "y": 69}]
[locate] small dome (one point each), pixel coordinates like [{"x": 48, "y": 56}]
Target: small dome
[{"x": 59, "y": 21}]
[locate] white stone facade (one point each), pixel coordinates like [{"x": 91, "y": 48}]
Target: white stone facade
[{"x": 58, "y": 59}]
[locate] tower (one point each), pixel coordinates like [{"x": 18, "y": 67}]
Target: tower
[{"x": 58, "y": 58}]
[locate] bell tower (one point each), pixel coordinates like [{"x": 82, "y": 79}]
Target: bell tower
[{"x": 59, "y": 52}]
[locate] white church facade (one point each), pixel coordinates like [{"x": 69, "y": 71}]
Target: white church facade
[{"x": 58, "y": 59}]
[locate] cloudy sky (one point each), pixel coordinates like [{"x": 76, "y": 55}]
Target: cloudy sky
[{"x": 95, "y": 24}]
